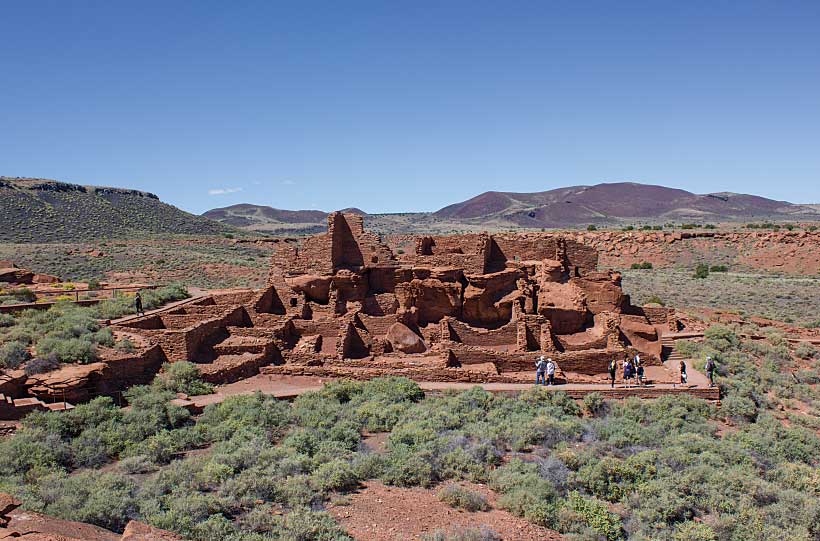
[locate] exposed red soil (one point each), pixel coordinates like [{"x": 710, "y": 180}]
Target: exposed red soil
[{"x": 383, "y": 513}]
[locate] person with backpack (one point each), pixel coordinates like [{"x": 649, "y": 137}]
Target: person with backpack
[
  {"x": 613, "y": 368},
  {"x": 683, "y": 377},
  {"x": 550, "y": 372},
  {"x": 627, "y": 371},
  {"x": 540, "y": 371},
  {"x": 138, "y": 304},
  {"x": 639, "y": 374},
  {"x": 710, "y": 371}
]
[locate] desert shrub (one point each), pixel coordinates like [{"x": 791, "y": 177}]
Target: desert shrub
[
  {"x": 406, "y": 468},
  {"x": 806, "y": 351},
  {"x": 125, "y": 345},
  {"x": 23, "y": 295},
  {"x": 6, "y": 320},
  {"x": 718, "y": 268},
  {"x": 13, "y": 354},
  {"x": 591, "y": 513},
  {"x": 643, "y": 265},
  {"x": 701, "y": 271},
  {"x": 612, "y": 479},
  {"x": 739, "y": 407},
  {"x": 302, "y": 524},
  {"x": 41, "y": 365},
  {"x": 654, "y": 299},
  {"x": 136, "y": 464},
  {"x": 592, "y": 227},
  {"x": 93, "y": 283},
  {"x": 182, "y": 377},
  {"x": 694, "y": 531},
  {"x": 593, "y": 403},
  {"x": 335, "y": 475},
  {"x": 470, "y": 534},
  {"x": 71, "y": 350},
  {"x": 525, "y": 493},
  {"x": 106, "y": 500},
  {"x": 257, "y": 413},
  {"x": 721, "y": 338},
  {"x": 463, "y": 498}
]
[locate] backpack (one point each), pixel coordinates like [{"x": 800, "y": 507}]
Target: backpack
[{"x": 710, "y": 365}]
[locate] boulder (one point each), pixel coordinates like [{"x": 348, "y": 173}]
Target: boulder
[
  {"x": 641, "y": 335},
  {"x": 13, "y": 275},
  {"x": 432, "y": 299},
  {"x": 403, "y": 339},
  {"x": 564, "y": 305},
  {"x": 139, "y": 531},
  {"x": 602, "y": 291},
  {"x": 316, "y": 288},
  {"x": 45, "y": 279},
  {"x": 488, "y": 298},
  {"x": 8, "y": 503}
]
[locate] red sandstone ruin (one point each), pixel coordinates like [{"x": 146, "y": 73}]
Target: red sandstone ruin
[
  {"x": 473, "y": 308},
  {"x": 469, "y": 308}
]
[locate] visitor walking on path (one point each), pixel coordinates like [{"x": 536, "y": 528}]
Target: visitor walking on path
[
  {"x": 613, "y": 368},
  {"x": 627, "y": 371},
  {"x": 138, "y": 304},
  {"x": 682, "y": 372},
  {"x": 550, "y": 372},
  {"x": 540, "y": 370},
  {"x": 710, "y": 371},
  {"x": 639, "y": 374}
]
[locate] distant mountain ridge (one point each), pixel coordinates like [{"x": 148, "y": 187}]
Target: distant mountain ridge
[
  {"x": 43, "y": 210},
  {"x": 601, "y": 204},
  {"x": 617, "y": 202},
  {"x": 263, "y": 218}
]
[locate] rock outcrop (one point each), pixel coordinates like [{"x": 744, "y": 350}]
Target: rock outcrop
[
  {"x": 17, "y": 523},
  {"x": 403, "y": 339}
]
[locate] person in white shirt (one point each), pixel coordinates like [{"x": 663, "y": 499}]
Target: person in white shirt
[{"x": 550, "y": 372}]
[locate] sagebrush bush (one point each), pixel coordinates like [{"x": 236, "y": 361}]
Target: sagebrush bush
[
  {"x": 125, "y": 345},
  {"x": 463, "y": 498},
  {"x": 805, "y": 351},
  {"x": 182, "y": 377},
  {"x": 41, "y": 365},
  {"x": 593, "y": 403},
  {"x": 470, "y": 534},
  {"x": 68, "y": 350},
  {"x": 13, "y": 354}
]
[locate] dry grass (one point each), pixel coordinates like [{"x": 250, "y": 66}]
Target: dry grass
[{"x": 785, "y": 298}]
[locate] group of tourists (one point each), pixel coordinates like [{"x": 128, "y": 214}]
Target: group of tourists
[
  {"x": 633, "y": 371},
  {"x": 544, "y": 371}
]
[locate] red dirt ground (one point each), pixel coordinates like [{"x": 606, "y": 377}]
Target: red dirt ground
[{"x": 382, "y": 513}]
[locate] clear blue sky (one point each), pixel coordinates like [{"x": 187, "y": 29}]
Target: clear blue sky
[{"x": 410, "y": 105}]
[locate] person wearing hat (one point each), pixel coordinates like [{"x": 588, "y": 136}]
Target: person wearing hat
[
  {"x": 710, "y": 370},
  {"x": 550, "y": 372},
  {"x": 540, "y": 370}
]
